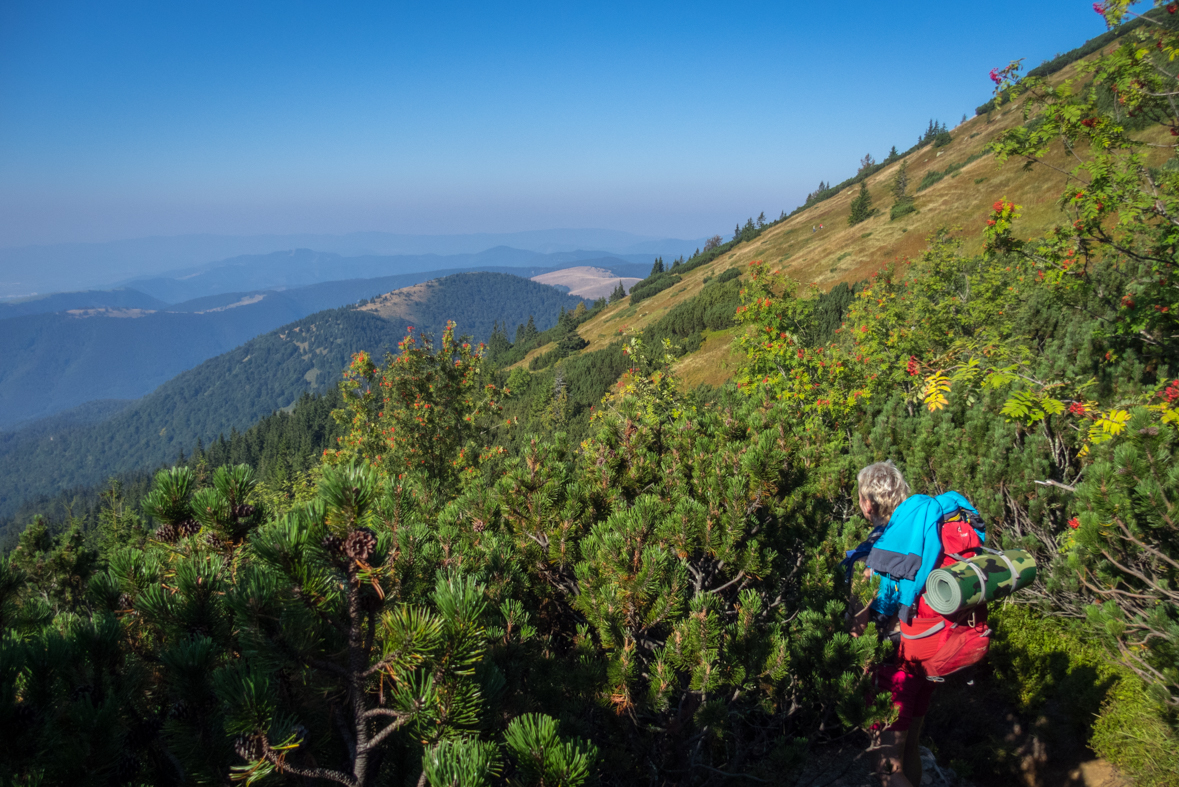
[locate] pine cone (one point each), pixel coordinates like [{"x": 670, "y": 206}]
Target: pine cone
[
  {"x": 214, "y": 540},
  {"x": 179, "y": 710},
  {"x": 167, "y": 533},
  {"x": 250, "y": 747},
  {"x": 243, "y": 511},
  {"x": 125, "y": 602},
  {"x": 360, "y": 544},
  {"x": 333, "y": 544},
  {"x": 189, "y": 527},
  {"x": 479, "y": 526}
]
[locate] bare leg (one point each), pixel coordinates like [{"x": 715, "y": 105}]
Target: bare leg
[
  {"x": 890, "y": 758},
  {"x": 912, "y": 755}
]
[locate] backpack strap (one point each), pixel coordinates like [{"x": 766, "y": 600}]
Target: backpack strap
[
  {"x": 982, "y": 578},
  {"x": 1005, "y": 559},
  {"x": 929, "y": 632}
]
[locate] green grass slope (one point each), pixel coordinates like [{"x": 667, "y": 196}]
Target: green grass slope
[{"x": 953, "y": 186}]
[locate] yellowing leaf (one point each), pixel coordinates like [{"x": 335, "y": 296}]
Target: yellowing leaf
[
  {"x": 1114, "y": 422},
  {"x": 936, "y": 388}
]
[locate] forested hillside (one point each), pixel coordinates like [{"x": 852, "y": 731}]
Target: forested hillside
[
  {"x": 564, "y": 560},
  {"x": 236, "y": 388},
  {"x": 122, "y": 344},
  {"x": 53, "y": 362}
]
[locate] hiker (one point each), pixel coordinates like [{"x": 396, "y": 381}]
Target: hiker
[{"x": 911, "y": 535}]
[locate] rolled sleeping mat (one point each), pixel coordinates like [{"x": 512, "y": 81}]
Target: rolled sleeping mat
[{"x": 986, "y": 577}]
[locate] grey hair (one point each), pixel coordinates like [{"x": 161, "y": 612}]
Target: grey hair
[{"x": 882, "y": 484}]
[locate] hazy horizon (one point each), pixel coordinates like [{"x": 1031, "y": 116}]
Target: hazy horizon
[{"x": 666, "y": 120}]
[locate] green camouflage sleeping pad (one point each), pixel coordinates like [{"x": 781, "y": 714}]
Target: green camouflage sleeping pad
[{"x": 987, "y": 577}]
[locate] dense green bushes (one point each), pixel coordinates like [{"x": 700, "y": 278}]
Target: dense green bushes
[
  {"x": 665, "y": 594},
  {"x": 653, "y": 594},
  {"x": 652, "y": 285},
  {"x": 901, "y": 209}
]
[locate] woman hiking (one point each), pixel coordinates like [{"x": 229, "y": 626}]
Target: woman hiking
[{"x": 906, "y": 544}]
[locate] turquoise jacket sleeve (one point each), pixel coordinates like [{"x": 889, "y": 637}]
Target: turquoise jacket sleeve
[{"x": 910, "y": 547}]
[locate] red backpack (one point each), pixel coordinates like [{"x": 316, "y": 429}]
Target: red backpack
[{"x": 939, "y": 645}]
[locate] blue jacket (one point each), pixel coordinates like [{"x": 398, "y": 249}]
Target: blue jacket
[{"x": 911, "y": 544}]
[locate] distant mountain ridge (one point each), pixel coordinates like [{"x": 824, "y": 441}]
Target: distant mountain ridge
[
  {"x": 303, "y": 267},
  {"x": 123, "y": 298},
  {"x": 233, "y": 390},
  {"x": 28, "y": 270},
  {"x": 124, "y": 346}
]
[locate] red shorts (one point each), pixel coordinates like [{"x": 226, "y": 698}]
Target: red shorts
[{"x": 910, "y": 693}]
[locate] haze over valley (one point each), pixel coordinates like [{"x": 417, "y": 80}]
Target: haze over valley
[{"x": 504, "y": 395}]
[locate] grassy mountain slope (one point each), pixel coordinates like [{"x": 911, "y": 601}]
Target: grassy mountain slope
[
  {"x": 235, "y": 389},
  {"x": 964, "y": 181},
  {"x": 587, "y": 281}
]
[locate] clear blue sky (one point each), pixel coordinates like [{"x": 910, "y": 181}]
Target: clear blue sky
[{"x": 125, "y": 119}]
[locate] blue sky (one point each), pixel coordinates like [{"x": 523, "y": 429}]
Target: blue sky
[{"x": 124, "y": 119}]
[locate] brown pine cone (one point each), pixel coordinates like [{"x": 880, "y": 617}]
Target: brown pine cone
[
  {"x": 250, "y": 747},
  {"x": 189, "y": 527},
  {"x": 360, "y": 544},
  {"x": 214, "y": 540},
  {"x": 167, "y": 533},
  {"x": 333, "y": 544},
  {"x": 243, "y": 511}
]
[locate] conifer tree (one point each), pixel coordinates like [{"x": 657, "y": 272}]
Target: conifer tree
[
  {"x": 749, "y": 231},
  {"x": 657, "y": 268},
  {"x": 497, "y": 343},
  {"x": 902, "y": 200},
  {"x": 618, "y": 294},
  {"x": 861, "y": 206},
  {"x": 900, "y": 183}
]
